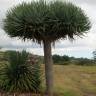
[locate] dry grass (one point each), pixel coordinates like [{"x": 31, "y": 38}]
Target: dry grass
[{"x": 72, "y": 80}]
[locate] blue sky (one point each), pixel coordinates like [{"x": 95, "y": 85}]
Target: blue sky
[{"x": 78, "y": 48}]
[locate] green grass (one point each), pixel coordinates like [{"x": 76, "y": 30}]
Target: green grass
[{"x": 72, "y": 80}]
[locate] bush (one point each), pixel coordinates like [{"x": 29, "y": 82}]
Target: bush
[
  {"x": 20, "y": 74},
  {"x": 62, "y": 60},
  {"x": 84, "y": 61}
]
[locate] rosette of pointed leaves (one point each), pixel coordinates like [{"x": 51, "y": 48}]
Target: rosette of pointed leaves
[
  {"x": 41, "y": 21},
  {"x": 19, "y": 76}
]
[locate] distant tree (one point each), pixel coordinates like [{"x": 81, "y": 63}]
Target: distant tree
[
  {"x": 94, "y": 56},
  {"x": 66, "y": 58},
  {"x": 84, "y": 61},
  {"x": 56, "y": 58}
]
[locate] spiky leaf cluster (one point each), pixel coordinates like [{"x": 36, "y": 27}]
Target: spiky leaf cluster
[
  {"x": 18, "y": 75},
  {"x": 41, "y": 21}
]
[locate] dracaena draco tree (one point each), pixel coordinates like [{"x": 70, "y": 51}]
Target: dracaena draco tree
[{"x": 44, "y": 23}]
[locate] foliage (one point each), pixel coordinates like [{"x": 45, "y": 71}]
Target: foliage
[
  {"x": 41, "y": 21},
  {"x": 19, "y": 75},
  {"x": 56, "y": 58},
  {"x": 94, "y": 56},
  {"x": 84, "y": 61},
  {"x": 64, "y": 60}
]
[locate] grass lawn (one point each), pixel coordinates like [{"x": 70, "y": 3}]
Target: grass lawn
[{"x": 72, "y": 80}]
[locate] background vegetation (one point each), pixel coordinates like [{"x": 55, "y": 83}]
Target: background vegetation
[{"x": 66, "y": 60}]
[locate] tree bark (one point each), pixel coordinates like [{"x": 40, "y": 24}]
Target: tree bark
[{"x": 48, "y": 68}]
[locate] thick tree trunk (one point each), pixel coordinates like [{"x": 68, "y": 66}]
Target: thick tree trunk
[{"x": 48, "y": 68}]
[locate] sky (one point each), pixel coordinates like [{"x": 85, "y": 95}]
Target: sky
[{"x": 81, "y": 47}]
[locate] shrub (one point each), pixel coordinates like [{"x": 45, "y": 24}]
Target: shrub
[
  {"x": 20, "y": 74},
  {"x": 61, "y": 60},
  {"x": 84, "y": 61}
]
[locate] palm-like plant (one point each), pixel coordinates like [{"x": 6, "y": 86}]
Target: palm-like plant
[
  {"x": 45, "y": 23},
  {"x": 19, "y": 75}
]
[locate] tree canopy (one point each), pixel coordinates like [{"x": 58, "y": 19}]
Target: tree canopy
[{"x": 39, "y": 21}]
